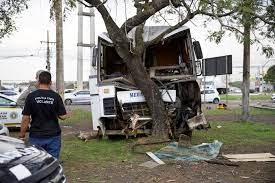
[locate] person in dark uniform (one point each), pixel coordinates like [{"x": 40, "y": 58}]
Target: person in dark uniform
[{"x": 43, "y": 107}]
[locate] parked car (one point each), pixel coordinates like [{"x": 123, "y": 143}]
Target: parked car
[
  {"x": 235, "y": 90},
  {"x": 10, "y": 113},
  {"x": 273, "y": 97},
  {"x": 11, "y": 94},
  {"x": 69, "y": 90},
  {"x": 211, "y": 95},
  {"x": 77, "y": 97},
  {"x": 25, "y": 163},
  {"x": 4, "y": 130}
]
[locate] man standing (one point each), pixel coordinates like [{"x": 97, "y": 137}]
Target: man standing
[
  {"x": 33, "y": 86},
  {"x": 42, "y": 110}
]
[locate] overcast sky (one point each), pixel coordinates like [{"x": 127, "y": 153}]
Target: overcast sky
[{"x": 32, "y": 26}]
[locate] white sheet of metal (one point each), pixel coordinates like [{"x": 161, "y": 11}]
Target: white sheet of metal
[{"x": 136, "y": 96}]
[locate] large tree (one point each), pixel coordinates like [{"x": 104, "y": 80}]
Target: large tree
[
  {"x": 9, "y": 9},
  {"x": 133, "y": 58},
  {"x": 254, "y": 22},
  {"x": 57, "y": 13}
]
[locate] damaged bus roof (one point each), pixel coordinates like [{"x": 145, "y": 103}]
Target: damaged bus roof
[{"x": 150, "y": 33}]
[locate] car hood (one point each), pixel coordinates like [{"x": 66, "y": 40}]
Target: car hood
[
  {"x": 14, "y": 153},
  {"x": 14, "y": 150},
  {"x": 9, "y": 144}
]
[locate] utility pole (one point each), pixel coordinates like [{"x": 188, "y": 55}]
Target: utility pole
[
  {"x": 80, "y": 48},
  {"x": 48, "y": 63},
  {"x": 92, "y": 38},
  {"x": 59, "y": 48},
  {"x": 48, "y": 67},
  {"x": 80, "y": 43}
]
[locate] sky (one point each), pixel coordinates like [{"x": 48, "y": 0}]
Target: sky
[{"x": 16, "y": 64}]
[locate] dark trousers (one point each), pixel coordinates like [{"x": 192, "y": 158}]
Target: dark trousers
[{"x": 52, "y": 144}]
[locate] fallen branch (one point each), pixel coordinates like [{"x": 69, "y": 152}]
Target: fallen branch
[{"x": 217, "y": 162}]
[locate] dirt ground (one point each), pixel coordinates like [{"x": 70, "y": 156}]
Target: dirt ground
[
  {"x": 174, "y": 171},
  {"x": 178, "y": 171},
  {"x": 193, "y": 172}
]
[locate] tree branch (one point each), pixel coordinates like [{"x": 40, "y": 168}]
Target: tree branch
[
  {"x": 184, "y": 21},
  {"x": 263, "y": 19},
  {"x": 141, "y": 17},
  {"x": 115, "y": 33}
]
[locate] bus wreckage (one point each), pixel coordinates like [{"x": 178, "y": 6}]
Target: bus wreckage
[{"x": 119, "y": 108}]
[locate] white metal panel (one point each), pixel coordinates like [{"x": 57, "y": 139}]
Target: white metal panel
[
  {"x": 137, "y": 96},
  {"x": 107, "y": 91},
  {"x": 93, "y": 85},
  {"x": 95, "y": 112}
]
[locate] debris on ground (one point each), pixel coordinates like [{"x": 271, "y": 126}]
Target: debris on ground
[
  {"x": 221, "y": 162},
  {"x": 222, "y": 106},
  {"x": 184, "y": 141},
  {"x": 204, "y": 151},
  {"x": 155, "y": 158},
  {"x": 244, "y": 177},
  {"x": 66, "y": 126},
  {"x": 85, "y": 136},
  {"x": 149, "y": 164},
  {"x": 250, "y": 157},
  {"x": 196, "y": 121}
]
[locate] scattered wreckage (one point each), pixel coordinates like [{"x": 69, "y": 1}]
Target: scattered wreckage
[{"x": 119, "y": 107}]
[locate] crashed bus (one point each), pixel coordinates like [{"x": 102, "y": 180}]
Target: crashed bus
[{"x": 119, "y": 108}]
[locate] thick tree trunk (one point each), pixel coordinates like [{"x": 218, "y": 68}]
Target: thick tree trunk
[
  {"x": 59, "y": 48},
  {"x": 152, "y": 95},
  {"x": 246, "y": 72},
  {"x": 161, "y": 125}
]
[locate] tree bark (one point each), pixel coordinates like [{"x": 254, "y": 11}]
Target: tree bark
[
  {"x": 246, "y": 68},
  {"x": 59, "y": 48},
  {"x": 152, "y": 95}
]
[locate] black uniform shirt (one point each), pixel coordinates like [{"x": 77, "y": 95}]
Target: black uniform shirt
[{"x": 44, "y": 107}]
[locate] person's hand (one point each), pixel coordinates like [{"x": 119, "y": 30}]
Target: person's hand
[
  {"x": 21, "y": 136},
  {"x": 69, "y": 114}
]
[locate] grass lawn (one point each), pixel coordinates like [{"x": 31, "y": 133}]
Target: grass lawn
[
  {"x": 237, "y": 111},
  {"x": 75, "y": 150},
  {"x": 83, "y": 159},
  {"x": 237, "y": 133},
  {"x": 252, "y": 97},
  {"x": 106, "y": 151},
  {"x": 78, "y": 116},
  {"x": 232, "y": 134}
]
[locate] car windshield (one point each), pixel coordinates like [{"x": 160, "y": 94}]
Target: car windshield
[
  {"x": 8, "y": 93},
  {"x": 4, "y": 101}
]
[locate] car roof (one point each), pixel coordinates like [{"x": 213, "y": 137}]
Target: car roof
[{"x": 8, "y": 91}]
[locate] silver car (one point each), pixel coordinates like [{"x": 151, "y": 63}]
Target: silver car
[{"x": 78, "y": 97}]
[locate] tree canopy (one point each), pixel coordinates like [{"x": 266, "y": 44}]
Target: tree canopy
[
  {"x": 8, "y": 11},
  {"x": 260, "y": 15}
]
